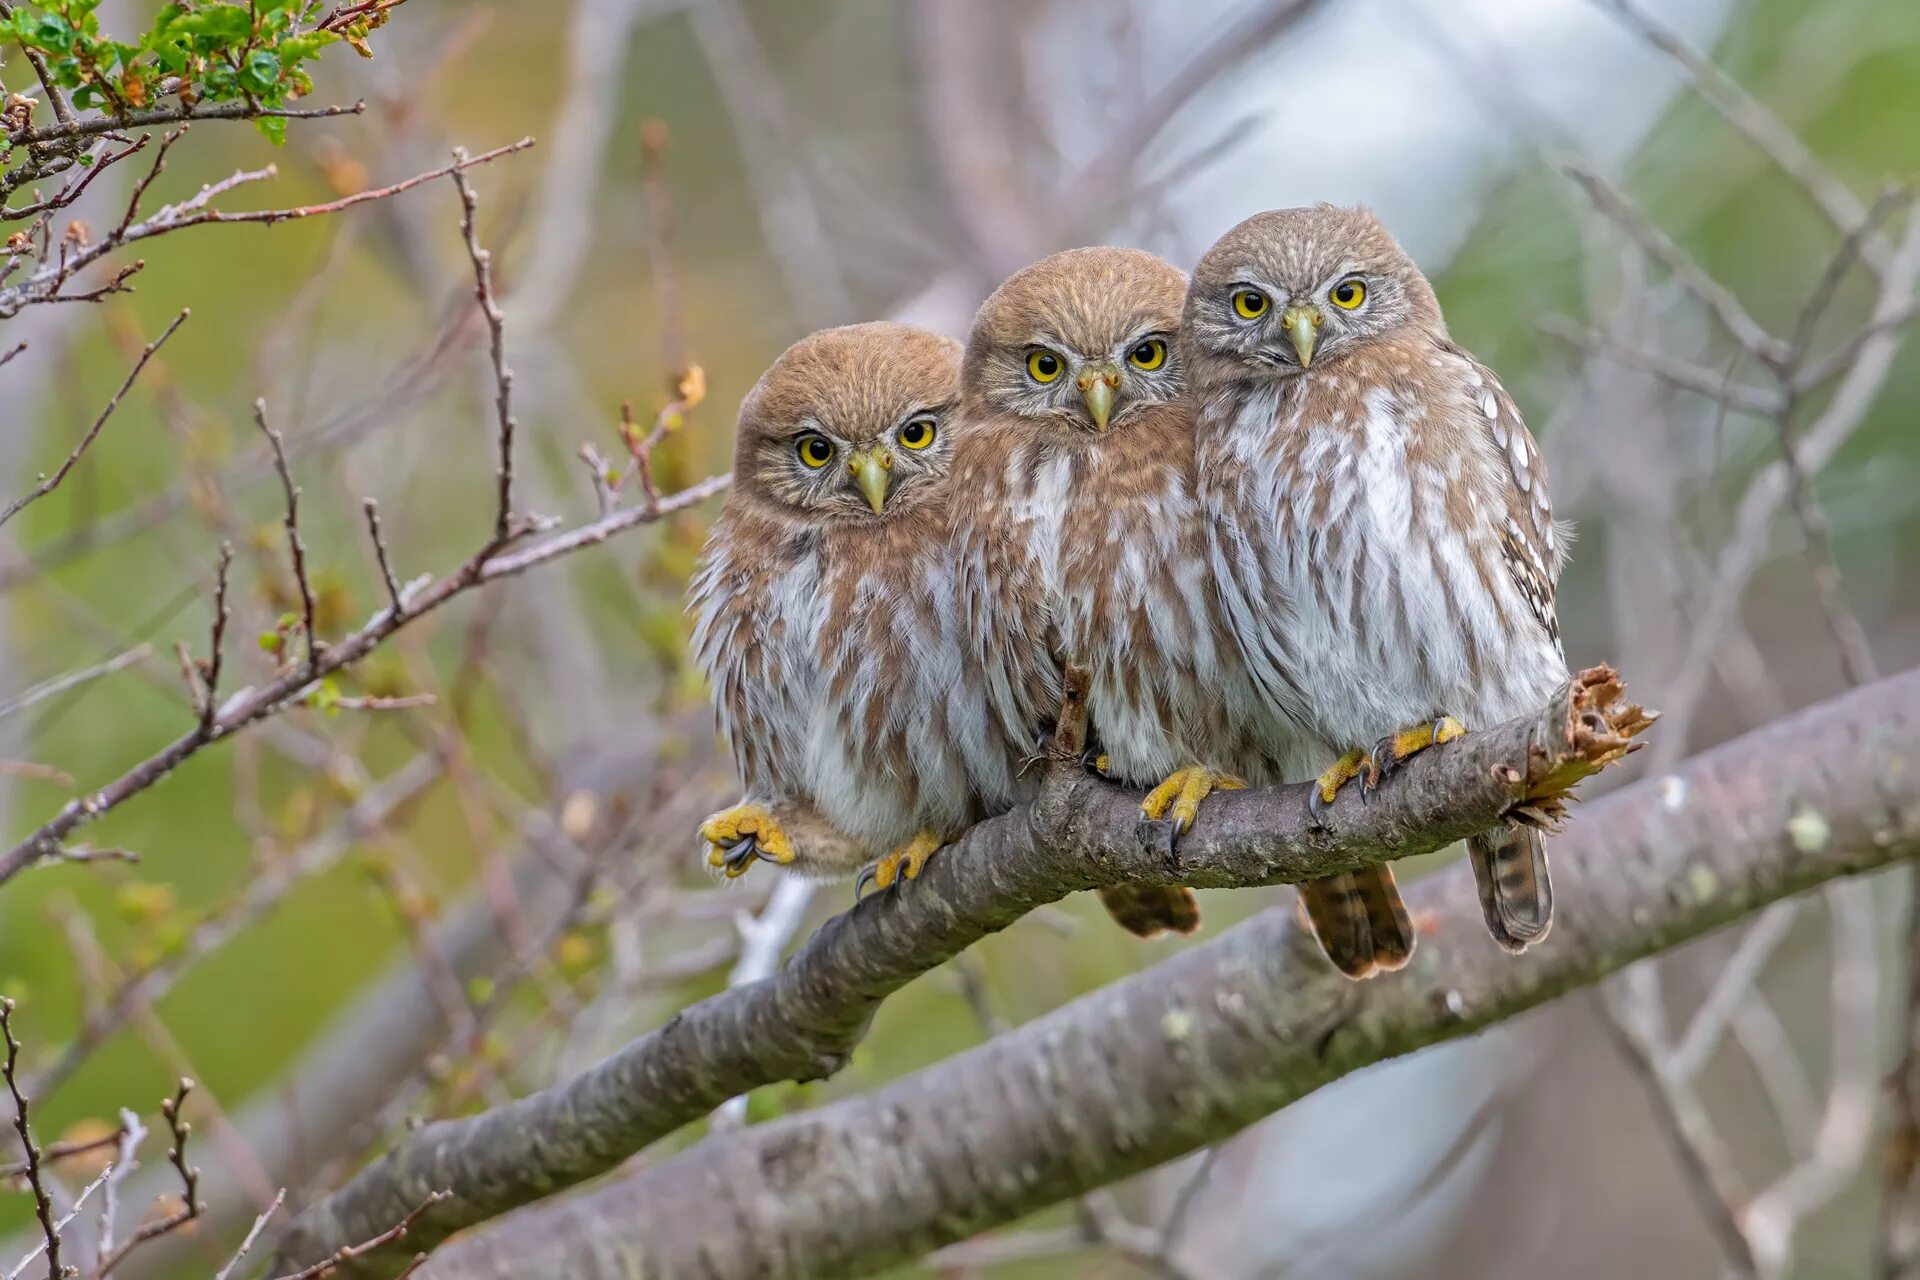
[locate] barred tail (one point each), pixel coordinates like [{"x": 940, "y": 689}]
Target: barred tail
[
  {"x": 1146, "y": 910},
  {"x": 1386, "y": 917},
  {"x": 1360, "y": 921},
  {"x": 1510, "y": 867}
]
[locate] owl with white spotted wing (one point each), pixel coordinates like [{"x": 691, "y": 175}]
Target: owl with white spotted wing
[{"x": 1381, "y": 530}]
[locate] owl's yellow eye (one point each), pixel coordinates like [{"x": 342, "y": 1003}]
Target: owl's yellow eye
[
  {"x": 1348, "y": 294},
  {"x": 918, "y": 433},
  {"x": 1148, "y": 355},
  {"x": 815, "y": 451},
  {"x": 1043, "y": 366},
  {"x": 1250, "y": 304}
]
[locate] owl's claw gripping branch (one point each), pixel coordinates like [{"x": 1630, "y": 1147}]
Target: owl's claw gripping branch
[
  {"x": 1396, "y": 749},
  {"x": 741, "y": 834},
  {"x": 1178, "y": 797},
  {"x": 1338, "y": 774},
  {"x": 903, "y": 864}
]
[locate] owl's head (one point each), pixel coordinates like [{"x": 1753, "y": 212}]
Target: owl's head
[
  {"x": 1294, "y": 288},
  {"x": 850, "y": 423},
  {"x": 1078, "y": 342}
]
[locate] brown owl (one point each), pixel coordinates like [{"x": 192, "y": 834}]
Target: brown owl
[
  {"x": 1381, "y": 529},
  {"x": 826, "y": 623},
  {"x": 1080, "y": 537}
]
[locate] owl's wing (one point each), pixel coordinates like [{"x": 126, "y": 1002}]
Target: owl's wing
[
  {"x": 751, "y": 602},
  {"x": 1532, "y": 543}
]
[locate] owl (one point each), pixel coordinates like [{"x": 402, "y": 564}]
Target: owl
[
  {"x": 826, "y": 623},
  {"x": 1080, "y": 538},
  {"x": 1381, "y": 533}
]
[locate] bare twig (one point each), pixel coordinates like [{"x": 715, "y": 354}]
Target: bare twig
[
  {"x": 42, "y": 1202},
  {"x": 216, "y": 645},
  {"x": 296, "y": 546},
  {"x": 253, "y": 1234},
  {"x": 1764, "y": 129},
  {"x": 49, "y": 483},
  {"x": 171, "y": 1110},
  {"x": 496, "y": 345},
  {"x": 73, "y": 679},
  {"x": 1717, "y": 298},
  {"x": 398, "y": 602},
  {"x": 397, "y": 1232}
]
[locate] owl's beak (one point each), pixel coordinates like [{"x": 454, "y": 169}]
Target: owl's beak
[
  {"x": 1303, "y": 327},
  {"x": 870, "y": 468},
  {"x": 1097, "y": 386}
]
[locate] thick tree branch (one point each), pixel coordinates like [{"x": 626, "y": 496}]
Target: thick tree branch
[
  {"x": 1168, "y": 1060},
  {"x": 803, "y": 1022}
]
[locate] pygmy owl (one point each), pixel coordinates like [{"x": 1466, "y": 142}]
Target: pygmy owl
[
  {"x": 1079, "y": 538},
  {"x": 1381, "y": 533},
  {"x": 825, "y": 599}
]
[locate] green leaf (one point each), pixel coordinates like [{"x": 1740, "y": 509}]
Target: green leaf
[
  {"x": 273, "y": 129},
  {"x": 261, "y": 71},
  {"x": 222, "y": 24}
]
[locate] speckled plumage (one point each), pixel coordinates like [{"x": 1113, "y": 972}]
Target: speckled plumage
[
  {"x": 1082, "y": 544},
  {"x": 828, "y": 630},
  {"x": 1382, "y": 532}
]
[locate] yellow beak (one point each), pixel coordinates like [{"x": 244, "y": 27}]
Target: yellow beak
[
  {"x": 870, "y": 468},
  {"x": 1097, "y": 386},
  {"x": 1303, "y": 327}
]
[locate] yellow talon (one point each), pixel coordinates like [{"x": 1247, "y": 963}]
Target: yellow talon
[
  {"x": 741, "y": 834},
  {"x": 1103, "y": 763},
  {"x": 905, "y": 863},
  {"x": 1179, "y": 796},
  {"x": 1396, "y": 749},
  {"x": 1339, "y": 774}
]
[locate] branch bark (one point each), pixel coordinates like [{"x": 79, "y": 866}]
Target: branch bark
[
  {"x": 1188, "y": 1052},
  {"x": 804, "y": 1022}
]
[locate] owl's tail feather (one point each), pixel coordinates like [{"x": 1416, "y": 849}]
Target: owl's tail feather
[
  {"x": 1510, "y": 868},
  {"x": 1339, "y": 921},
  {"x": 1387, "y": 918},
  {"x": 1146, "y": 910}
]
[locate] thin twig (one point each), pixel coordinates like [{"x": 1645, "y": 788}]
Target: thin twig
[
  {"x": 172, "y": 1110},
  {"x": 42, "y": 1202},
  {"x": 210, "y": 699},
  {"x": 296, "y": 546},
  {"x": 496, "y": 345},
  {"x": 1717, "y": 298},
  {"x": 372, "y": 509},
  {"x": 73, "y": 679},
  {"x": 253, "y": 1234},
  {"x": 49, "y": 483},
  {"x": 347, "y": 1253}
]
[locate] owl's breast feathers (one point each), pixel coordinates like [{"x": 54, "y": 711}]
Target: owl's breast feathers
[
  {"x": 1386, "y": 529},
  {"x": 833, "y": 653}
]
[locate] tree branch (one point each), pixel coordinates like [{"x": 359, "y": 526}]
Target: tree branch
[
  {"x": 804, "y": 1022},
  {"x": 1171, "y": 1059}
]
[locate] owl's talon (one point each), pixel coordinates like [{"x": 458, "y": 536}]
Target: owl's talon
[
  {"x": 1355, "y": 764},
  {"x": 1178, "y": 797},
  {"x": 1096, "y": 762},
  {"x": 1396, "y": 749},
  {"x": 900, "y": 866},
  {"x": 860, "y": 885},
  {"x": 740, "y": 835}
]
